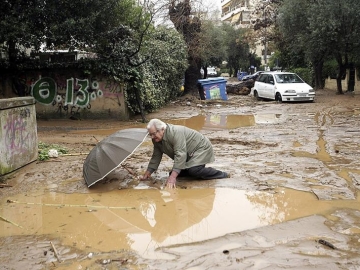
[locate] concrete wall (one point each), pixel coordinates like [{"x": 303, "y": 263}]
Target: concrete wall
[
  {"x": 18, "y": 133},
  {"x": 331, "y": 83},
  {"x": 65, "y": 94}
]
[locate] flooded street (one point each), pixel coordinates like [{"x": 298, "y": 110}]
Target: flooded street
[{"x": 292, "y": 200}]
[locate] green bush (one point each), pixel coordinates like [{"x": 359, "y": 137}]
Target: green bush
[
  {"x": 330, "y": 69},
  {"x": 305, "y": 73},
  {"x": 224, "y": 70},
  {"x": 159, "y": 80}
]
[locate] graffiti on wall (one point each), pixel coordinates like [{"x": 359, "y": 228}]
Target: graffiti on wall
[
  {"x": 78, "y": 92},
  {"x": 67, "y": 92},
  {"x": 19, "y": 87},
  {"x": 16, "y": 131}
]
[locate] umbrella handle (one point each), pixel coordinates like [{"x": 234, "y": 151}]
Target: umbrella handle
[{"x": 129, "y": 170}]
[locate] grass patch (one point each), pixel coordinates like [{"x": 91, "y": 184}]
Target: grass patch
[{"x": 43, "y": 149}]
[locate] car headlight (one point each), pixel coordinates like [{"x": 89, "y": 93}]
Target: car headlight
[
  {"x": 290, "y": 91},
  {"x": 311, "y": 91}
]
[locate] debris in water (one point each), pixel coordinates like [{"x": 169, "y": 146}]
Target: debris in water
[
  {"x": 55, "y": 252},
  {"x": 326, "y": 243}
]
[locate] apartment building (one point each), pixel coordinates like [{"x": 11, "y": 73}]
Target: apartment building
[
  {"x": 237, "y": 12},
  {"x": 241, "y": 14}
]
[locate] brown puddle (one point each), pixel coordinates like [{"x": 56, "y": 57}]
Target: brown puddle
[
  {"x": 323, "y": 156},
  {"x": 220, "y": 122},
  {"x": 202, "y": 122},
  {"x": 145, "y": 219}
]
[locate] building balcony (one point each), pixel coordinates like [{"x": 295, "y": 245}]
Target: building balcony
[
  {"x": 224, "y": 2},
  {"x": 225, "y": 16}
]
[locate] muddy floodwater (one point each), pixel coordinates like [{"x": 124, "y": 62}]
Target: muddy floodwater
[{"x": 292, "y": 200}]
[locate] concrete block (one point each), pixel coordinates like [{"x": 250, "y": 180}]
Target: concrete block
[{"x": 18, "y": 133}]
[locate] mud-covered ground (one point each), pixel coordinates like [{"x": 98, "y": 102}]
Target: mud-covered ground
[{"x": 302, "y": 158}]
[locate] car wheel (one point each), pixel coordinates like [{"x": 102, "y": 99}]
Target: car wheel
[
  {"x": 256, "y": 95},
  {"x": 278, "y": 97}
]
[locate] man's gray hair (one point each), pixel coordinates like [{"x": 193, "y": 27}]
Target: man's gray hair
[{"x": 158, "y": 124}]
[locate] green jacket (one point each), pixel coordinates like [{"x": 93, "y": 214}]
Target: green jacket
[{"x": 187, "y": 147}]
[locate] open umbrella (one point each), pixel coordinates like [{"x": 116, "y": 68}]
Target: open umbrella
[{"x": 109, "y": 153}]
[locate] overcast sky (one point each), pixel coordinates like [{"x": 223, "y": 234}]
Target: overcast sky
[
  {"x": 203, "y": 5},
  {"x": 212, "y": 4}
]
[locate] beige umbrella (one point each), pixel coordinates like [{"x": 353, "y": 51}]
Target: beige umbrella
[{"x": 109, "y": 153}]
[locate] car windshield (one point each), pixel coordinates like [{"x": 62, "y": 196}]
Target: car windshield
[{"x": 288, "y": 78}]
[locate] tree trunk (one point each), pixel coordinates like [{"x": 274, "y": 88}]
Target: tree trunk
[
  {"x": 189, "y": 26},
  {"x": 318, "y": 68},
  {"x": 338, "y": 84},
  {"x": 231, "y": 72},
  {"x": 341, "y": 73},
  {"x": 139, "y": 102},
  {"x": 205, "y": 71},
  {"x": 12, "y": 53},
  {"x": 192, "y": 74}
]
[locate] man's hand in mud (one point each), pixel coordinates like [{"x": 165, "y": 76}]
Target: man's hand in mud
[
  {"x": 146, "y": 176},
  {"x": 171, "y": 182}
]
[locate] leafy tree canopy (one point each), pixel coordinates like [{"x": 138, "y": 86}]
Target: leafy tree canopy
[
  {"x": 160, "y": 77},
  {"x": 317, "y": 30},
  {"x": 148, "y": 62},
  {"x": 66, "y": 24},
  {"x": 237, "y": 49},
  {"x": 212, "y": 47}
]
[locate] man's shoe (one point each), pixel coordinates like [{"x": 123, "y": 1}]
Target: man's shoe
[{"x": 227, "y": 175}]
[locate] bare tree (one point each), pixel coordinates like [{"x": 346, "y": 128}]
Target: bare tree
[{"x": 189, "y": 26}]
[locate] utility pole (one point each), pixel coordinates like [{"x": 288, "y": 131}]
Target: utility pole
[{"x": 265, "y": 41}]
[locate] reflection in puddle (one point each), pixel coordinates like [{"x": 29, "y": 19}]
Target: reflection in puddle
[
  {"x": 321, "y": 153},
  {"x": 205, "y": 122},
  {"x": 216, "y": 122},
  {"x": 220, "y": 122},
  {"x": 101, "y": 222}
]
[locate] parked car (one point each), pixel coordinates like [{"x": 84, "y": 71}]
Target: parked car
[
  {"x": 252, "y": 76},
  {"x": 241, "y": 75},
  {"x": 282, "y": 86},
  {"x": 211, "y": 72}
]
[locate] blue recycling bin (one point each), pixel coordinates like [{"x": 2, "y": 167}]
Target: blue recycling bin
[{"x": 212, "y": 88}]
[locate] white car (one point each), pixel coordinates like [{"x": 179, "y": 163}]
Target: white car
[
  {"x": 211, "y": 72},
  {"x": 282, "y": 86}
]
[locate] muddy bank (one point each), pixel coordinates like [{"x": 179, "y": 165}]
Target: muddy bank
[{"x": 294, "y": 181}]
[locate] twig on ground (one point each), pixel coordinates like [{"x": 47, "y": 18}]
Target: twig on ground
[
  {"x": 326, "y": 243},
  {"x": 72, "y": 205},
  {"x": 9, "y": 221},
  {"x": 74, "y": 154},
  {"x": 129, "y": 170},
  {"x": 55, "y": 252}
]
